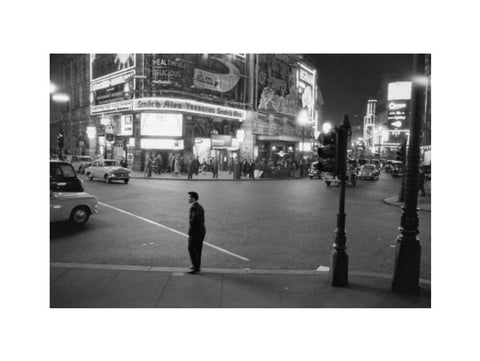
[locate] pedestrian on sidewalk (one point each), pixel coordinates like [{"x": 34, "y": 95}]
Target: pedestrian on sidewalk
[
  {"x": 196, "y": 232},
  {"x": 251, "y": 169},
  {"x": 148, "y": 166},
  {"x": 215, "y": 167},
  {"x": 158, "y": 163},
  {"x": 421, "y": 182},
  {"x": 191, "y": 168}
]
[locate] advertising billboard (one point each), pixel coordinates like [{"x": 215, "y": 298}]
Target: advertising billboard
[
  {"x": 211, "y": 76},
  {"x": 398, "y": 105},
  {"x": 277, "y": 84}
]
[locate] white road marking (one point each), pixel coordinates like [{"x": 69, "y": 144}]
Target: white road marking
[
  {"x": 323, "y": 269},
  {"x": 171, "y": 230}
]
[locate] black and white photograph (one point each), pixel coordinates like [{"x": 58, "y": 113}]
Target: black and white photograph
[
  {"x": 230, "y": 180},
  {"x": 239, "y": 180}
]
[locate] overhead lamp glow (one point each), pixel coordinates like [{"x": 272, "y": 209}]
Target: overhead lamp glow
[{"x": 326, "y": 127}]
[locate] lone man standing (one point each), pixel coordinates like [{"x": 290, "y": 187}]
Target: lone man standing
[{"x": 196, "y": 232}]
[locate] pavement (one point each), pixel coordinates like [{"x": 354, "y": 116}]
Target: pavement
[
  {"x": 75, "y": 285},
  {"x": 120, "y": 286},
  {"x": 423, "y": 203},
  {"x": 202, "y": 176}
]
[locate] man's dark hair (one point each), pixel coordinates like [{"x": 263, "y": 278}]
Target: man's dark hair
[{"x": 193, "y": 194}]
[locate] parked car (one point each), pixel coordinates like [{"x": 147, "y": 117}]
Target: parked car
[
  {"x": 68, "y": 201},
  {"x": 75, "y": 207},
  {"x": 389, "y": 165},
  {"x": 107, "y": 169},
  {"x": 368, "y": 171},
  {"x": 80, "y": 162},
  {"x": 63, "y": 177}
]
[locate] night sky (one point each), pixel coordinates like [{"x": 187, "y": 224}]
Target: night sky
[{"x": 347, "y": 81}]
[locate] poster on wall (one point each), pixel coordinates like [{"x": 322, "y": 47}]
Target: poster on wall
[{"x": 161, "y": 124}]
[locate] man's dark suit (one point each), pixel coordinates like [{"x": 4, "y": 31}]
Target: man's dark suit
[{"x": 196, "y": 234}]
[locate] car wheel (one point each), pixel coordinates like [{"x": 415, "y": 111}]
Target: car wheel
[
  {"x": 126, "y": 181},
  {"x": 90, "y": 177},
  {"x": 311, "y": 177},
  {"x": 107, "y": 178},
  {"x": 80, "y": 215},
  {"x": 328, "y": 183},
  {"x": 81, "y": 170}
]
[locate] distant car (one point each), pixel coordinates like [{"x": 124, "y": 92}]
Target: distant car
[
  {"x": 368, "y": 171},
  {"x": 389, "y": 165},
  {"x": 80, "y": 162},
  {"x": 75, "y": 207},
  {"x": 376, "y": 163},
  {"x": 396, "y": 169},
  {"x": 68, "y": 201},
  {"x": 107, "y": 169},
  {"x": 313, "y": 171}
]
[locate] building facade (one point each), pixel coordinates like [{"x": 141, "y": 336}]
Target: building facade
[{"x": 223, "y": 106}]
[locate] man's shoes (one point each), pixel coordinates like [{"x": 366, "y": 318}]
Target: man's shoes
[{"x": 193, "y": 271}]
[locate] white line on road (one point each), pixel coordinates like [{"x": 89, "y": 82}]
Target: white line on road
[{"x": 171, "y": 229}]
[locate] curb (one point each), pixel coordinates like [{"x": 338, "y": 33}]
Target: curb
[
  {"x": 393, "y": 202},
  {"x": 216, "y": 179},
  {"x": 218, "y": 270}
]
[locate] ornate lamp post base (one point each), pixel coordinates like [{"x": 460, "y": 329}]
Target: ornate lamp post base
[
  {"x": 406, "y": 274},
  {"x": 339, "y": 268}
]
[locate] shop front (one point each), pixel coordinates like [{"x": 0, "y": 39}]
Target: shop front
[
  {"x": 277, "y": 148},
  {"x": 170, "y": 128}
]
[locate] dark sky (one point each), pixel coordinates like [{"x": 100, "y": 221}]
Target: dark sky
[{"x": 347, "y": 81}]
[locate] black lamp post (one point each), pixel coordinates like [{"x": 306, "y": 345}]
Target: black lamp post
[
  {"x": 339, "y": 257},
  {"x": 407, "y": 257}
]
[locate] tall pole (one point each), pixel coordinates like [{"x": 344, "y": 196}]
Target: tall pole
[
  {"x": 339, "y": 257},
  {"x": 407, "y": 254}
]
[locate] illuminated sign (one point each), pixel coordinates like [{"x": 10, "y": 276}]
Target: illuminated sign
[
  {"x": 91, "y": 132},
  {"x": 113, "y": 88},
  {"x": 400, "y": 90},
  {"x": 161, "y": 124},
  {"x": 126, "y": 125},
  {"x": 174, "y": 144},
  {"x": 398, "y": 113},
  {"x": 188, "y": 106},
  {"x": 111, "y": 107},
  {"x": 396, "y": 106},
  {"x": 306, "y": 82},
  {"x": 221, "y": 141}
]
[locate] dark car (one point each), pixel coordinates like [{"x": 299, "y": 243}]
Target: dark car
[
  {"x": 368, "y": 171},
  {"x": 63, "y": 177},
  {"x": 396, "y": 168}
]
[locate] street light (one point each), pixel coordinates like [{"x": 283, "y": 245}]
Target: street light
[
  {"x": 61, "y": 98},
  {"x": 326, "y": 127},
  {"x": 302, "y": 119}
]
